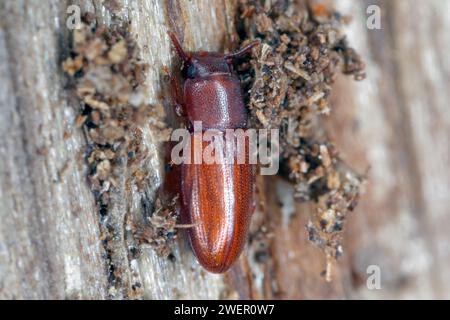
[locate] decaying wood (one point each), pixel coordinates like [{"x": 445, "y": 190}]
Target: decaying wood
[{"x": 396, "y": 122}]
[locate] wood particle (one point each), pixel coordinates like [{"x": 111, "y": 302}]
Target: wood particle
[{"x": 301, "y": 54}]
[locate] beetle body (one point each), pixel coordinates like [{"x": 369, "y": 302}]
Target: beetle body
[
  {"x": 215, "y": 100},
  {"x": 216, "y": 199}
]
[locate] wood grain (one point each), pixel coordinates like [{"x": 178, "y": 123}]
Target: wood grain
[{"x": 397, "y": 122}]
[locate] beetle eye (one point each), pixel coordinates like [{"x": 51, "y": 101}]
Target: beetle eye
[{"x": 191, "y": 71}]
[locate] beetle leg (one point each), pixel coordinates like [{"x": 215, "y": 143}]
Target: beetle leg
[
  {"x": 253, "y": 208},
  {"x": 179, "y": 110},
  {"x": 177, "y": 99}
]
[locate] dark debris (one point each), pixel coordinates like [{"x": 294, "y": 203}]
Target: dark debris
[
  {"x": 160, "y": 233},
  {"x": 289, "y": 84},
  {"x": 107, "y": 76}
]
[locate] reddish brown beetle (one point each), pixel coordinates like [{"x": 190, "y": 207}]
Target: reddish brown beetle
[{"x": 217, "y": 199}]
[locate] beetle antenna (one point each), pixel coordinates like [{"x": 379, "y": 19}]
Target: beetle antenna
[
  {"x": 178, "y": 46},
  {"x": 242, "y": 51}
]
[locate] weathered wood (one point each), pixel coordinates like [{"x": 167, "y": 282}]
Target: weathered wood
[
  {"x": 50, "y": 244},
  {"x": 396, "y": 121}
]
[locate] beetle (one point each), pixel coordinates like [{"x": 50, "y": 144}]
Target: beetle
[{"x": 215, "y": 199}]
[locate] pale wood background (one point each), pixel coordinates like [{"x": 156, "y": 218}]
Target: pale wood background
[{"x": 397, "y": 122}]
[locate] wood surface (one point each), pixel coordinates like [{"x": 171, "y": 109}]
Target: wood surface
[{"x": 396, "y": 122}]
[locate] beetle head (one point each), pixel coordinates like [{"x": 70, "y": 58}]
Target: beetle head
[{"x": 201, "y": 64}]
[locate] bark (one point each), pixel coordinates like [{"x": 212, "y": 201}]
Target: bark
[{"x": 396, "y": 122}]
